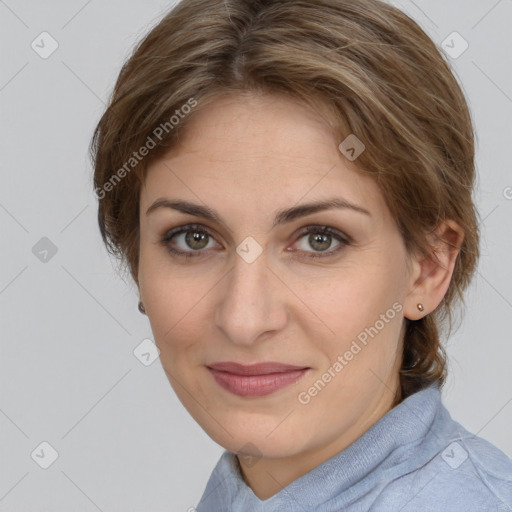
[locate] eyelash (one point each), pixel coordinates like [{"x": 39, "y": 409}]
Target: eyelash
[{"x": 313, "y": 229}]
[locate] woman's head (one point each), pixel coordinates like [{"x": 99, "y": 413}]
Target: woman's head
[{"x": 249, "y": 108}]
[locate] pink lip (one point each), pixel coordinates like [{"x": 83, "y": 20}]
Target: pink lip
[{"x": 256, "y": 379}]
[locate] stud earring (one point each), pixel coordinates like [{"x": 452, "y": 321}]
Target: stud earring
[
  {"x": 420, "y": 307},
  {"x": 141, "y": 308}
]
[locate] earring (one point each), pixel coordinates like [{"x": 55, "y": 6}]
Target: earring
[
  {"x": 420, "y": 307},
  {"x": 141, "y": 308}
]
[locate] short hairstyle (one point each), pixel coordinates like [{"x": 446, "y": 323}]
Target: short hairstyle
[{"x": 366, "y": 66}]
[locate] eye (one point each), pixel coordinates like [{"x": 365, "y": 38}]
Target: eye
[
  {"x": 190, "y": 239},
  {"x": 320, "y": 239}
]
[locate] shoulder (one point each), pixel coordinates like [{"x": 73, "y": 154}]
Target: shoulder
[
  {"x": 486, "y": 464},
  {"x": 465, "y": 473}
]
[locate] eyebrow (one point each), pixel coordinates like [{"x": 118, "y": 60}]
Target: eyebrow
[{"x": 281, "y": 217}]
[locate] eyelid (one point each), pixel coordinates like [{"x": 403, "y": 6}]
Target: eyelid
[
  {"x": 184, "y": 229},
  {"x": 179, "y": 230},
  {"x": 343, "y": 239},
  {"x": 322, "y": 228}
]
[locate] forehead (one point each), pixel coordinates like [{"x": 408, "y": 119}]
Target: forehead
[
  {"x": 257, "y": 126},
  {"x": 266, "y": 151}
]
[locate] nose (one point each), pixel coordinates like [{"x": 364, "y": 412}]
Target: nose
[{"x": 251, "y": 304}]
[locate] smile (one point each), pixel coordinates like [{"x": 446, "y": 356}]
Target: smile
[{"x": 256, "y": 380}]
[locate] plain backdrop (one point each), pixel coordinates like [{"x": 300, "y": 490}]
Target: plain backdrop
[{"x": 69, "y": 324}]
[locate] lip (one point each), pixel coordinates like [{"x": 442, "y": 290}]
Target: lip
[
  {"x": 263, "y": 368},
  {"x": 258, "y": 379}
]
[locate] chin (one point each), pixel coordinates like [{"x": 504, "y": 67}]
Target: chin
[{"x": 258, "y": 440}]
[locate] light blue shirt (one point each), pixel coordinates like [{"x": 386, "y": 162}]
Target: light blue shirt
[{"x": 416, "y": 458}]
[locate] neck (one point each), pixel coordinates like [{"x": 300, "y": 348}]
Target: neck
[{"x": 270, "y": 475}]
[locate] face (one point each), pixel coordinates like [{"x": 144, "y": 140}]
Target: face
[{"x": 235, "y": 279}]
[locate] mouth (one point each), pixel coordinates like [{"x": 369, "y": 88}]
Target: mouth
[{"x": 257, "y": 379}]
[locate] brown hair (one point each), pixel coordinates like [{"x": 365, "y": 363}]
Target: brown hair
[{"x": 365, "y": 65}]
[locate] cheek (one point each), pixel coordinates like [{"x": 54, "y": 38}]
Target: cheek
[
  {"x": 176, "y": 313},
  {"x": 343, "y": 299},
  {"x": 359, "y": 303},
  {"x": 168, "y": 296}
]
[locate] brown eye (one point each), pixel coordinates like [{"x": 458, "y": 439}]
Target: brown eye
[
  {"x": 321, "y": 239},
  {"x": 188, "y": 241},
  {"x": 196, "y": 240}
]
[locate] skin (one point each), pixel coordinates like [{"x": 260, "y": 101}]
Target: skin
[{"x": 247, "y": 157}]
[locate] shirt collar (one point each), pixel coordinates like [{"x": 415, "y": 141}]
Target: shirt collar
[{"x": 387, "y": 443}]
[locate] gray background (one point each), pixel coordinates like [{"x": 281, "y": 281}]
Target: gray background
[{"x": 69, "y": 325}]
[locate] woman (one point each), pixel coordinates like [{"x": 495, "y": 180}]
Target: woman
[{"x": 290, "y": 185}]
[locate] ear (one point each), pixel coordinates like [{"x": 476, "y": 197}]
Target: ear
[{"x": 430, "y": 276}]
